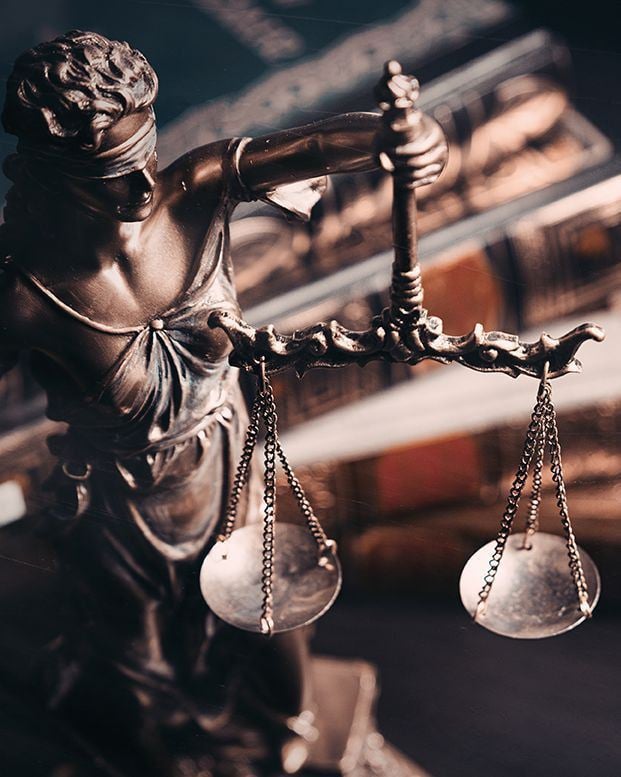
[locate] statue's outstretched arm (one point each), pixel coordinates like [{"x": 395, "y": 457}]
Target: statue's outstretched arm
[{"x": 341, "y": 144}]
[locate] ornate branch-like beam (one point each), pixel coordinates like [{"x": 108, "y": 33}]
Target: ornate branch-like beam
[{"x": 331, "y": 345}]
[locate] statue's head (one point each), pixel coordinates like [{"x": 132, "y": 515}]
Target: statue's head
[{"x": 81, "y": 107}]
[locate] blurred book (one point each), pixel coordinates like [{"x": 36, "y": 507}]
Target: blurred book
[
  {"x": 516, "y": 147},
  {"x": 25, "y": 462}
]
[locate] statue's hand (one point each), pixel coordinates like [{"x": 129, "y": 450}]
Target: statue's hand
[
  {"x": 396, "y": 89},
  {"x": 419, "y": 160},
  {"x": 411, "y": 145}
]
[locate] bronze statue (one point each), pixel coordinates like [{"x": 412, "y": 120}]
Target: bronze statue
[
  {"x": 116, "y": 279},
  {"x": 111, "y": 269}
]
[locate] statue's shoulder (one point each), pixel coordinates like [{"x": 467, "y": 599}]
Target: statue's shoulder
[{"x": 203, "y": 169}]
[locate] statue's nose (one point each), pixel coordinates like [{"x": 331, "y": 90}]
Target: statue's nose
[{"x": 148, "y": 177}]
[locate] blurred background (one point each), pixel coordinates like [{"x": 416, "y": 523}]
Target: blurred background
[{"x": 407, "y": 468}]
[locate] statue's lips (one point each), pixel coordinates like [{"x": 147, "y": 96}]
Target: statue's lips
[{"x": 137, "y": 205}]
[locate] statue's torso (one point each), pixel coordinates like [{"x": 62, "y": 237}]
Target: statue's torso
[
  {"x": 150, "y": 400},
  {"x": 173, "y": 253}
]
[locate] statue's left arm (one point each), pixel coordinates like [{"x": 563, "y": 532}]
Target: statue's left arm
[{"x": 344, "y": 143}]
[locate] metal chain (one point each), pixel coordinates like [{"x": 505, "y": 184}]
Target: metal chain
[
  {"x": 243, "y": 468},
  {"x": 273, "y": 448},
  {"x": 532, "y": 518},
  {"x": 264, "y": 407},
  {"x": 269, "y": 505},
  {"x": 305, "y": 507},
  {"x": 513, "y": 500},
  {"x": 575, "y": 565}
]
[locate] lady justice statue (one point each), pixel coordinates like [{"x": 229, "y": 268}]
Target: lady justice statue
[{"x": 110, "y": 270}]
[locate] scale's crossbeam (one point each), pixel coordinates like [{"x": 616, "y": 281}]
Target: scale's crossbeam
[{"x": 331, "y": 345}]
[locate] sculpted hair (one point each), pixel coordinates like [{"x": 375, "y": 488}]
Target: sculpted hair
[
  {"x": 68, "y": 91},
  {"x": 64, "y": 94}
]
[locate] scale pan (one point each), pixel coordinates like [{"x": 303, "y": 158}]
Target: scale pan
[
  {"x": 302, "y": 589},
  {"x": 533, "y": 595}
]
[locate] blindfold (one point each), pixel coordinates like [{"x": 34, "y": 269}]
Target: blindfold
[{"x": 128, "y": 157}]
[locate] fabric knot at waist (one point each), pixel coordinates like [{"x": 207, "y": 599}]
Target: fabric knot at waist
[{"x": 93, "y": 446}]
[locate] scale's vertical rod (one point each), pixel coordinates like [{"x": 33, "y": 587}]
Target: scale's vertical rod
[
  {"x": 406, "y": 286},
  {"x": 413, "y": 150}
]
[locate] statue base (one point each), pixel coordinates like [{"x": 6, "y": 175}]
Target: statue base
[{"x": 348, "y": 743}]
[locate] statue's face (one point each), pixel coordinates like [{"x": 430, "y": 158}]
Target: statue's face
[{"x": 127, "y": 197}]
